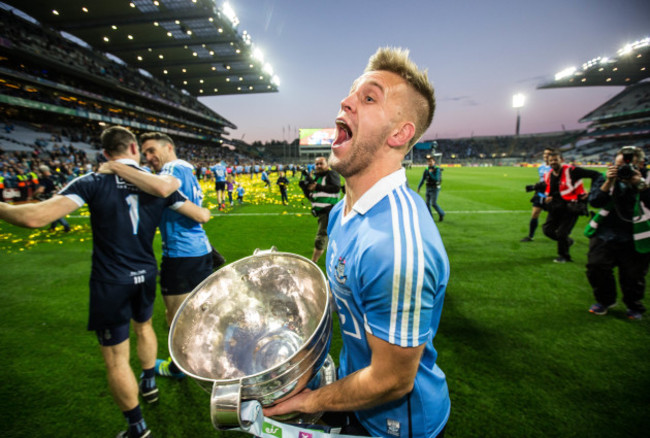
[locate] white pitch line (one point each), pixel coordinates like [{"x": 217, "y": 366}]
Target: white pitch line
[{"x": 310, "y": 215}]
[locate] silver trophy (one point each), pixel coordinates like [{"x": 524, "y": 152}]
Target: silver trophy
[{"x": 257, "y": 329}]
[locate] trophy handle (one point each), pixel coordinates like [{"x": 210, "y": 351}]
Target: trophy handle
[
  {"x": 225, "y": 407},
  {"x": 265, "y": 251}
]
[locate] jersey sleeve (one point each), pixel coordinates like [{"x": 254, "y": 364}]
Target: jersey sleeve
[
  {"x": 175, "y": 200},
  {"x": 172, "y": 170}
]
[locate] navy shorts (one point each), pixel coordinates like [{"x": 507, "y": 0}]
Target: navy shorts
[
  {"x": 537, "y": 201},
  {"x": 220, "y": 186},
  {"x": 180, "y": 275},
  {"x": 114, "y": 305}
]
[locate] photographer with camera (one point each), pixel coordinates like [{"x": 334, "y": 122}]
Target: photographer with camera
[
  {"x": 323, "y": 192},
  {"x": 565, "y": 198},
  {"x": 538, "y": 198},
  {"x": 620, "y": 235}
]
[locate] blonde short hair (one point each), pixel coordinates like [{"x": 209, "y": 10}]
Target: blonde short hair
[{"x": 396, "y": 60}]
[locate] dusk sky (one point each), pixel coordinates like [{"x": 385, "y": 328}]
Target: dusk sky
[{"x": 479, "y": 54}]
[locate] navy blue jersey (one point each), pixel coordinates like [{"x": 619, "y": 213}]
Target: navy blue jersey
[{"x": 124, "y": 220}]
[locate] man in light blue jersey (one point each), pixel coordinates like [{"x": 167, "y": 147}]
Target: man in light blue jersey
[
  {"x": 538, "y": 198},
  {"x": 386, "y": 264},
  {"x": 123, "y": 274},
  {"x": 187, "y": 253},
  {"x": 219, "y": 172}
]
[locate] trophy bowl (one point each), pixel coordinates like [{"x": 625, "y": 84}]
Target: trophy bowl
[{"x": 257, "y": 329}]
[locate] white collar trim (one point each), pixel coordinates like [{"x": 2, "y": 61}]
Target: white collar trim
[
  {"x": 379, "y": 190},
  {"x": 127, "y": 161}
]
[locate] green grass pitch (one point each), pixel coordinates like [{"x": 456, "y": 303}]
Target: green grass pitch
[{"x": 522, "y": 355}]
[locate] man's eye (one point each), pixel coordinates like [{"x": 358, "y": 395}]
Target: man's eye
[{"x": 369, "y": 99}]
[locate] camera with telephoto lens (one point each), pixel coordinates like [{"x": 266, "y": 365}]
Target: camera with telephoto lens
[
  {"x": 539, "y": 187},
  {"x": 305, "y": 179},
  {"x": 626, "y": 171}
]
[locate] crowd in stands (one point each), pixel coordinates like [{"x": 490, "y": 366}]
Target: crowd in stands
[
  {"x": 29, "y": 38},
  {"x": 478, "y": 149},
  {"x": 52, "y": 146}
]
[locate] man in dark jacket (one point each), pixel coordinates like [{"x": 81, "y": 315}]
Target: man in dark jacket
[
  {"x": 433, "y": 177},
  {"x": 323, "y": 192},
  {"x": 620, "y": 235}
]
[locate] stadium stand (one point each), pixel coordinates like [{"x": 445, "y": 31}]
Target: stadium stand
[
  {"x": 47, "y": 79},
  {"x": 624, "y": 119}
]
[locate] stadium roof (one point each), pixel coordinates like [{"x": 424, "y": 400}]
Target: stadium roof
[
  {"x": 194, "y": 44},
  {"x": 630, "y": 65}
]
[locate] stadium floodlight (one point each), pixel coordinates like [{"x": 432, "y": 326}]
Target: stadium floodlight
[
  {"x": 587, "y": 65},
  {"x": 565, "y": 73},
  {"x": 625, "y": 50},
  {"x": 257, "y": 54},
  {"x": 229, "y": 12},
  {"x": 628, "y": 48},
  {"x": 268, "y": 69},
  {"x": 275, "y": 80},
  {"x": 518, "y": 102}
]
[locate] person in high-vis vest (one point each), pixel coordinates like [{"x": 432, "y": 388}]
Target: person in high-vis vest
[
  {"x": 323, "y": 194},
  {"x": 564, "y": 189},
  {"x": 32, "y": 183},
  {"x": 22, "y": 184},
  {"x": 619, "y": 235}
]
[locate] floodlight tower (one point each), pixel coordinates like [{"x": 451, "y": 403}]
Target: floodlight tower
[{"x": 518, "y": 102}]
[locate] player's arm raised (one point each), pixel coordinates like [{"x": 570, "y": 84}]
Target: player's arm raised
[
  {"x": 39, "y": 214},
  {"x": 156, "y": 185}
]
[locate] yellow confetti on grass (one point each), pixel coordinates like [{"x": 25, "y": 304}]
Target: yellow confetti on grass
[{"x": 256, "y": 193}]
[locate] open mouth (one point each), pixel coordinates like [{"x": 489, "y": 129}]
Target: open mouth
[{"x": 343, "y": 133}]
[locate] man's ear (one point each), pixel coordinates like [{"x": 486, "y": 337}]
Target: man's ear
[
  {"x": 106, "y": 154},
  {"x": 402, "y": 135},
  {"x": 133, "y": 148}
]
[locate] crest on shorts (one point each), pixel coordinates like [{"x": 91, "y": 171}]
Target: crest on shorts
[{"x": 340, "y": 270}]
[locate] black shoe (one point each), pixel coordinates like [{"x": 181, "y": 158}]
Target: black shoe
[
  {"x": 527, "y": 239},
  {"x": 441, "y": 217}
]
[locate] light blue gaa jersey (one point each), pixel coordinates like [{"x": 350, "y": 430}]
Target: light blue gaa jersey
[
  {"x": 181, "y": 236},
  {"x": 219, "y": 171},
  {"x": 388, "y": 271},
  {"x": 542, "y": 170}
]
